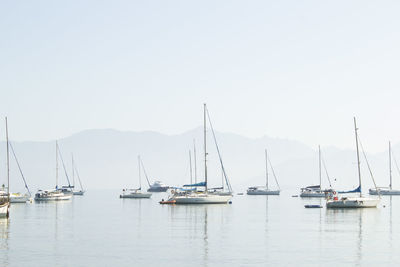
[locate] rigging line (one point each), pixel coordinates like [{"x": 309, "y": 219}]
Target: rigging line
[
  {"x": 145, "y": 173},
  {"x": 395, "y": 163},
  {"x": 219, "y": 154},
  {"x": 65, "y": 170},
  {"x": 20, "y": 170},
  {"x": 273, "y": 173},
  {"x": 79, "y": 178},
  {"x": 326, "y": 171},
  {"x": 369, "y": 167}
]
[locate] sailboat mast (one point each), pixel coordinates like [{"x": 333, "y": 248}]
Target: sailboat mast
[
  {"x": 190, "y": 165},
  {"x": 8, "y": 164},
  {"x": 195, "y": 161},
  {"x": 319, "y": 158},
  {"x": 266, "y": 169},
  {"x": 205, "y": 149},
  {"x": 358, "y": 156},
  {"x": 73, "y": 172},
  {"x": 390, "y": 165},
  {"x": 140, "y": 178},
  {"x": 56, "y": 165}
]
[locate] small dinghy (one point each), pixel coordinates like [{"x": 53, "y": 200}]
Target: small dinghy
[
  {"x": 167, "y": 201},
  {"x": 313, "y": 206}
]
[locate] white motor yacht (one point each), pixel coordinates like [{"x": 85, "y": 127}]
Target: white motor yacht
[{"x": 158, "y": 186}]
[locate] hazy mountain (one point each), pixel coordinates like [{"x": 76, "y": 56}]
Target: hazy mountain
[{"x": 107, "y": 158}]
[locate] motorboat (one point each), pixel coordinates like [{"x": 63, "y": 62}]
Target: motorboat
[{"x": 158, "y": 186}]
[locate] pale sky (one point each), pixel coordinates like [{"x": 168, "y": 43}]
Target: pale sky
[{"x": 289, "y": 69}]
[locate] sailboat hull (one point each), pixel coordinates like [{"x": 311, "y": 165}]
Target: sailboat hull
[
  {"x": 18, "y": 198},
  {"x": 79, "y": 193},
  {"x": 52, "y": 196},
  {"x": 312, "y": 194},
  {"x": 4, "y": 209},
  {"x": 202, "y": 199},
  {"x": 385, "y": 192},
  {"x": 357, "y": 202},
  {"x": 135, "y": 195},
  {"x": 263, "y": 192}
]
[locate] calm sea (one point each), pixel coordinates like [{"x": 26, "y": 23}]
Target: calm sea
[{"x": 100, "y": 229}]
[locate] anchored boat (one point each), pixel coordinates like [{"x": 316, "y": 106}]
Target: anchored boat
[
  {"x": 265, "y": 190},
  {"x": 57, "y": 193},
  {"x": 136, "y": 193},
  {"x": 204, "y": 197},
  {"x": 388, "y": 191},
  {"x": 316, "y": 190},
  {"x": 334, "y": 201},
  {"x": 5, "y": 198}
]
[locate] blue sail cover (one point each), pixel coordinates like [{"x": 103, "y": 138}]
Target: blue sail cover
[
  {"x": 357, "y": 190},
  {"x": 192, "y": 185}
]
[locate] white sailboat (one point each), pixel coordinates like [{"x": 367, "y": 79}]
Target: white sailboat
[
  {"x": 52, "y": 194},
  {"x": 314, "y": 190},
  {"x": 135, "y": 193},
  {"x": 333, "y": 201},
  {"x": 388, "y": 191},
  {"x": 76, "y": 192},
  {"x": 5, "y": 198},
  {"x": 20, "y": 197},
  {"x": 204, "y": 197},
  {"x": 265, "y": 190}
]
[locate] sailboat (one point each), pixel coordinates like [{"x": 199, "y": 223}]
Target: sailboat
[
  {"x": 5, "y": 198},
  {"x": 66, "y": 189},
  {"x": 74, "y": 191},
  {"x": 135, "y": 193},
  {"x": 389, "y": 191},
  {"x": 20, "y": 197},
  {"x": 265, "y": 190},
  {"x": 52, "y": 194},
  {"x": 201, "y": 197},
  {"x": 314, "y": 190},
  {"x": 333, "y": 200}
]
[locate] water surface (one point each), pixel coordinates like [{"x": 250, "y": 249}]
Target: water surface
[{"x": 100, "y": 229}]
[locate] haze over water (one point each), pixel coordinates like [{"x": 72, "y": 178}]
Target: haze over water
[{"x": 101, "y": 229}]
